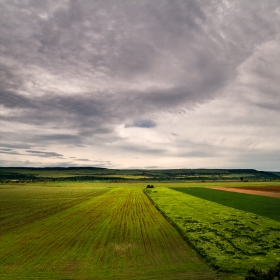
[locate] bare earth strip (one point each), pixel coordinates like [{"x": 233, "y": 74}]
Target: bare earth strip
[{"x": 267, "y": 192}]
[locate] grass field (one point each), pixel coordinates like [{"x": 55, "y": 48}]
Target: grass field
[
  {"x": 264, "y": 206},
  {"x": 230, "y": 239},
  {"x": 85, "y": 231}
]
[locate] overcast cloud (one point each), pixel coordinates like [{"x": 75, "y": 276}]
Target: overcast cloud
[{"x": 124, "y": 84}]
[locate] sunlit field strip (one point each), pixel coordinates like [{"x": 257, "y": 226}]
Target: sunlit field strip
[
  {"x": 117, "y": 235},
  {"x": 231, "y": 240}
]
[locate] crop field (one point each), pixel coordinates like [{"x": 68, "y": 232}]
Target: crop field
[
  {"x": 231, "y": 240},
  {"x": 24, "y": 204},
  {"x": 261, "y": 205},
  {"x": 90, "y": 231}
]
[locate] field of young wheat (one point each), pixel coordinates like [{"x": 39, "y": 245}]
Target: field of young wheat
[{"x": 86, "y": 231}]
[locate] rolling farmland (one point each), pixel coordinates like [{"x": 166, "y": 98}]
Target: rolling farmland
[
  {"x": 88, "y": 232},
  {"x": 230, "y": 239},
  {"x": 111, "y": 230},
  {"x": 58, "y": 174}
]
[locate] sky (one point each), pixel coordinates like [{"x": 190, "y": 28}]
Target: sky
[{"x": 140, "y": 83}]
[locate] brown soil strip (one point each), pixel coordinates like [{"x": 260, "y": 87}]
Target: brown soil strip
[
  {"x": 250, "y": 191},
  {"x": 263, "y": 188}
]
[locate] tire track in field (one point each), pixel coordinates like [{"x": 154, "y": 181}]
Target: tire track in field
[{"x": 116, "y": 235}]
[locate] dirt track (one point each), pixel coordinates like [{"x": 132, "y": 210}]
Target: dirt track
[{"x": 263, "y": 191}]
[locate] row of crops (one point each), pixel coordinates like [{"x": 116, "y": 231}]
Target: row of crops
[
  {"x": 90, "y": 232},
  {"x": 113, "y": 231},
  {"x": 231, "y": 240}
]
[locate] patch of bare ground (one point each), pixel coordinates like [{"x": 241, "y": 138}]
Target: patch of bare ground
[{"x": 263, "y": 191}]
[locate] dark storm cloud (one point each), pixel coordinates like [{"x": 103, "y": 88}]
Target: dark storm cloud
[
  {"x": 61, "y": 111},
  {"x": 87, "y": 66},
  {"x": 11, "y": 99},
  {"x": 128, "y": 40},
  {"x": 98, "y": 113}
]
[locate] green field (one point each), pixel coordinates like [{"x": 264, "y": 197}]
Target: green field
[
  {"x": 27, "y": 203},
  {"x": 261, "y": 205},
  {"x": 90, "y": 231},
  {"x": 230, "y": 239},
  {"x": 112, "y": 230}
]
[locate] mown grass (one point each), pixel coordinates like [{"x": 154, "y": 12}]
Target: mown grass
[
  {"x": 261, "y": 205},
  {"x": 114, "y": 234},
  {"x": 231, "y": 240}
]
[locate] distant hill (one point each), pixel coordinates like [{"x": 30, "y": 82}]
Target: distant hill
[
  {"x": 275, "y": 173},
  {"x": 104, "y": 174}
]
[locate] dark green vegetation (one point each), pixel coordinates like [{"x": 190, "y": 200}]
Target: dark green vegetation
[
  {"x": 272, "y": 273},
  {"x": 103, "y": 174},
  {"x": 90, "y": 231},
  {"x": 276, "y": 173},
  {"x": 260, "y": 205},
  {"x": 230, "y": 240}
]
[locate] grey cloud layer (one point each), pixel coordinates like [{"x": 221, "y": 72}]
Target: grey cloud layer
[
  {"x": 31, "y": 153},
  {"x": 87, "y": 66}
]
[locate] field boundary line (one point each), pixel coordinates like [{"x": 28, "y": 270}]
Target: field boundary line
[{"x": 179, "y": 230}]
